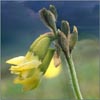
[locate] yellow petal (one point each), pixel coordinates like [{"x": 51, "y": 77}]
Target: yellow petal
[
  {"x": 30, "y": 56},
  {"x": 15, "y": 72},
  {"x": 16, "y": 60},
  {"x": 52, "y": 71},
  {"x": 27, "y": 73},
  {"x": 26, "y": 66},
  {"x": 31, "y": 82},
  {"x": 30, "y": 64}
]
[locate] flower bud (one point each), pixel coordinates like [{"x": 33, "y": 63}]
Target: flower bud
[
  {"x": 48, "y": 18},
  {"x": 73, "y": 38},
  {"x": 65, "y": 28},
  {"x": 53, "y": 10},
  {"x": 63, "y": 42},
  {"x": 40, "y": 46}
]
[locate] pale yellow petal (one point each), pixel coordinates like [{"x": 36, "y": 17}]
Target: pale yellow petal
[
  {"x": 15, "y": 68},
  {"x": 30, "y": 56},
  {"x": 30, "y": 65},
  {"x": 28, "y": 84},
  {"x": 26, "y": 66},
  {"x": 17, "y": 80},
  {"x": 52, "y": 71},
  {"x": 15, "y": 72},
  {"x": 31, "y": 82},
  {"x": 16, "y": 60},
  {"x": 25, "y": 74}
]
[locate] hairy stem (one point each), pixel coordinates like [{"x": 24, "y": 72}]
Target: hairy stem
[{"x": 74, "y": 78}]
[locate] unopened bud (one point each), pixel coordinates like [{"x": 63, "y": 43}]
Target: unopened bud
[
  {"x": 63, "y": 42},
  {"x": 75, "y": 29},
  {"x": 65, "y": 28},
  {"x": 73, "y": 38},
  {"x": 53, "y": 10},
  {"x": 48, "y": 19},
  {"x": 40, "y": 46}
]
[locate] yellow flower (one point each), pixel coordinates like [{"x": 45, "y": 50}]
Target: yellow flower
[
  {"x": 27, "y": 70},
  {"x": 52, "y": 71},
  {"x": 29, "y": 82},
  {"x": 30, "y": 68}
]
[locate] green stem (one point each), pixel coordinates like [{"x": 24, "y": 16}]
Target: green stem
[{"x": 74, "y": 78}]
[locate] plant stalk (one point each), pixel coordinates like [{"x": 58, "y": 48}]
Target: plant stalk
[{"x": 74, "y": 78}]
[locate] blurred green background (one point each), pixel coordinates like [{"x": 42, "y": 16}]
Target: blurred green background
[{"x": 20, "y": 25}]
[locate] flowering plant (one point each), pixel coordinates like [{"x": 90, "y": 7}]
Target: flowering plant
[{"x": 31, "y": 67}]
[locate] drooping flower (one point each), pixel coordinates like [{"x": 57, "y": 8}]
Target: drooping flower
[
  {"x": 29, "y": 74},
  {"x": 31, "y": 67}
]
